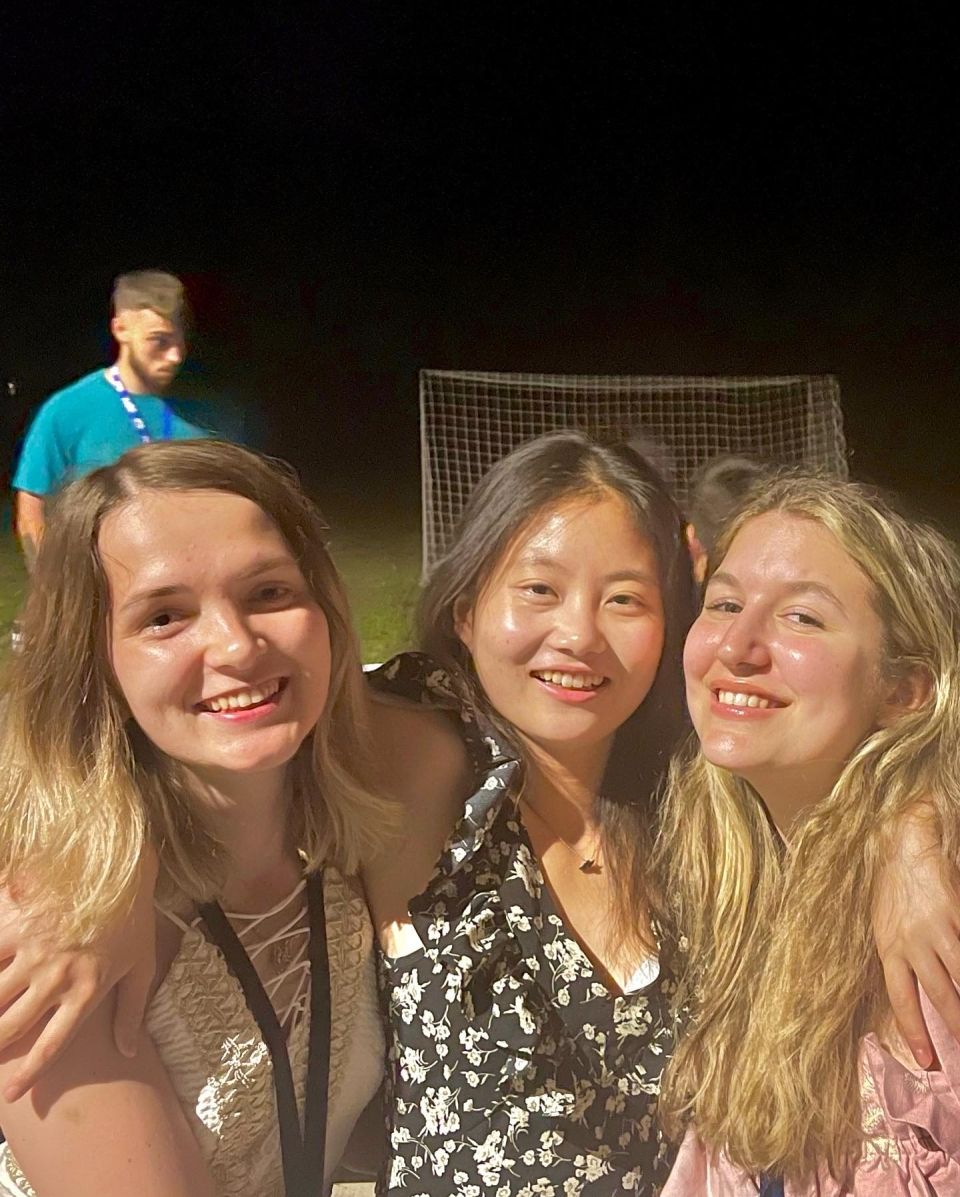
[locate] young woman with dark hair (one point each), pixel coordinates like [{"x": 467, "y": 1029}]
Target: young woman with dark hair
[{"x": 524, "y": 967}]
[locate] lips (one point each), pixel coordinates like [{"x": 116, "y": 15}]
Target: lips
[
  {"x": 570, "y": 681},
  {"x": 241, "y": 700},
  {"x": 746, "y": 700}
]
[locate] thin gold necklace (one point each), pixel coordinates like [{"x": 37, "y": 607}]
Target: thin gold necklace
[{"x": 588, "y": 864}]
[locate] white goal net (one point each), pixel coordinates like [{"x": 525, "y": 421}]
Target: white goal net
[{"x": 468, "y": 420}]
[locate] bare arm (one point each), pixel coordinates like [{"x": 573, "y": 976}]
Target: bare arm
[
  {"x": 29, "y": 522},
  {"x": 48, "y": 988},
  {"x": 424, "y": 766},
  {"x": 916, "y": 921},
  {"x": 99, "y": 1122}
]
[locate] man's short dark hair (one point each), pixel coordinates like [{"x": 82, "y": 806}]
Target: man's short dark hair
[
  {"x": 716, "y": 490},
  {"x": 150, "y": 289}
]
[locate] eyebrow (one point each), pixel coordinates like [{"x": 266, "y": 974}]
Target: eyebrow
[
  {"x": 255, "y": 571},
  {"x": 540, "y": 561},
  {"x": 802, "y": 586}
]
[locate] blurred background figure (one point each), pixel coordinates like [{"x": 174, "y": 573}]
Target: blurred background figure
[
  {"x": 717, "y": 489},
  {"x": 96, "y": 419}
]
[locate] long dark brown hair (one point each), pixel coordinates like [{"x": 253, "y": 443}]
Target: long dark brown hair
[{"x": 531, "y": 480}]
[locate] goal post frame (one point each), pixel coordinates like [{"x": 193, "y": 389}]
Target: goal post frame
[{"x": 482, "y": 415}]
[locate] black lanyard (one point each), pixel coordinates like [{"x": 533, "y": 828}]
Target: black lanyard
[{"x": 302, "y": 1154}]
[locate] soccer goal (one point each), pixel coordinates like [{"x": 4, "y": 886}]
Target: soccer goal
[{"x": 468, "y": 420}]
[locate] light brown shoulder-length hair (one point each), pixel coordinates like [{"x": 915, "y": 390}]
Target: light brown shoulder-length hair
[
  {"x": 81, "y": 787},
  {"x": 784, "y": 979}
]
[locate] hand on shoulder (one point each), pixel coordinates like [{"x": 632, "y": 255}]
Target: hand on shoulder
[
  {"x": 422, "y": 760},
  {"x": 424, "y": 765}
]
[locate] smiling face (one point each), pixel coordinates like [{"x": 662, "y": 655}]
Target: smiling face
[
  {"x": 566, "y": 635},
  {"x": 784, "y": 664},
  {"x": 221, "y": 652}
]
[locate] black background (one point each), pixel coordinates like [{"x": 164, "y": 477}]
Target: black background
[{"x": 352, "y": 193}]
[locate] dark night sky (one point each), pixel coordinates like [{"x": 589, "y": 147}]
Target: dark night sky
[{"x": 353, "y": 192}]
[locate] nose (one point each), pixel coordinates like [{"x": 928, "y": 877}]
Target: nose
[
  {"x": 232, "y": 645},
  {"x": 174, "y": 354},
  {"x": 577, "y": 629},
  {"x": 744, "y": 649}
]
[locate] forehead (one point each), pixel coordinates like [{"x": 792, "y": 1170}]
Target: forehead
[
  {"x": 581, "y": 530},
  {"x": 185, "y": 536},
  {"x": 148, "y": 322},
  {"x": 779, "y": 546}
]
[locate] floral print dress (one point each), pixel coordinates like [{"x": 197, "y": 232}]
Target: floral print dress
[{"x": 512, "y": 1069}]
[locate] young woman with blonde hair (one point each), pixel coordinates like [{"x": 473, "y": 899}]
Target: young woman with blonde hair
[
  {"x": 823, "y": 680},
  {"x": 189, "y": 679}
]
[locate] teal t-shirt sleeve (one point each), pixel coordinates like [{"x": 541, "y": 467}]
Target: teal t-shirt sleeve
[{"x": 44, "y": 463}]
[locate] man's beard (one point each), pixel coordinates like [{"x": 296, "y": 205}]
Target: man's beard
[{"x": 147, "y": 376}]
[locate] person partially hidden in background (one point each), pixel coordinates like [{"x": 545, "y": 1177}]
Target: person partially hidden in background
[
  {"x": 95, "y": 420},
  {"x": 717, "y": 489}
]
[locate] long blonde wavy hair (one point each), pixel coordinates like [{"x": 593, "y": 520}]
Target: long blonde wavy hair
[
  {"x": 784, "y": 977},
  {"x": 81, "y": 787}
]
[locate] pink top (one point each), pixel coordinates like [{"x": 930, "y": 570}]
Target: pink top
[{"x": 912, "y": 1124}]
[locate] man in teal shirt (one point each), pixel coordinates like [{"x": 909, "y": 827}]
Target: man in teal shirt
[{"x": 96, "y": 419}]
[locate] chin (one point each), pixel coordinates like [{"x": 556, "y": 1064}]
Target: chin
[
  {"x": 725, "y": 757},
  {"x": 556, "y": 741},
  {"x": 259, "y": 760}
]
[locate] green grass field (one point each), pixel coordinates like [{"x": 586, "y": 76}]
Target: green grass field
[
  {"x": 12, "y": 579},
  {"x": 379, "y": 559},
  {"x": 380, "y": 563}
]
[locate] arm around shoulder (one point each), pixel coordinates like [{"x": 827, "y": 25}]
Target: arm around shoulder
[
  {"x": 99, "y": 1122},
  {"x": 916, "y": 920},
  {"x": 424, "y": 766},
  {"x": 423, "y": 762}
]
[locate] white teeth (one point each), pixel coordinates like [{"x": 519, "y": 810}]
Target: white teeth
[
  {"x": 571, "y": 681},
  {"x": 243, "y": 698},
  {"x": 729, "y": 699}
]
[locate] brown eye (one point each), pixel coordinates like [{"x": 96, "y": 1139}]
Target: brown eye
[
  {"x": 805, "y": 619},
  {"x": 725, "y": 606},
  {"x": 162, "y": 621},
  {"x": 275, "y": 593}
]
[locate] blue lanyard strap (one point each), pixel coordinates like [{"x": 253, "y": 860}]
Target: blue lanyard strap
[{"x": 133, "y": 412}]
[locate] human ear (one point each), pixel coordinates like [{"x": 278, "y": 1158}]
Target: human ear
[
  {"x": 119, "y": 328},
  {"x": 909, "y": 693},
  {"x": 698, "y": 554},
  {"x": 463, "y": 621}
]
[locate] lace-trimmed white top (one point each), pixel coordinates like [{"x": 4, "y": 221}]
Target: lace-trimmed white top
[{"x": 219, "y": 1065}]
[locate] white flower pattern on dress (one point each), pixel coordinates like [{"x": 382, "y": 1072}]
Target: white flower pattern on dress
[{"x": 514, "y": 1072}]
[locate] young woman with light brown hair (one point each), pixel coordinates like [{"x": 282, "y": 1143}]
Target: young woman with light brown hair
[{"x": 189, "y": 679}]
